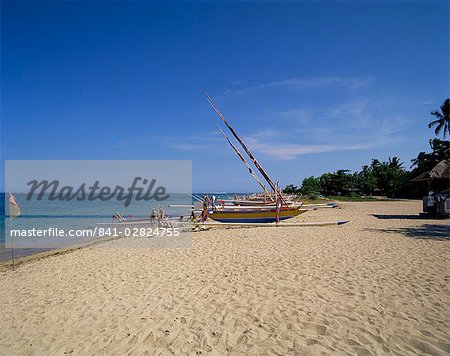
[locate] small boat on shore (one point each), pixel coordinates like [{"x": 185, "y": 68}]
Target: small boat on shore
[{"x": 251, "y": 215}]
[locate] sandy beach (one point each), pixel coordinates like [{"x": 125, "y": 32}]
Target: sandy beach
[{"x": 376, "y": 285}]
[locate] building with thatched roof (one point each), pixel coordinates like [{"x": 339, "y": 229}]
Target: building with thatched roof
[
  {"x": 440, "y": 171},
  {"x": 439, "y": 177}
]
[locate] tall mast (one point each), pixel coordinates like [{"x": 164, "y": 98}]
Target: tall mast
[
  {"x": 250, "y": 170},
  {"x": 252, "y": 157}
]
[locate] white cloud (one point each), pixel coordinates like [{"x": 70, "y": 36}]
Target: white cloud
[
  {"x": 184, "y": 146},
  {"x": 302, "y": 83},
  {"x": 355, "y": 112},
  {"x": 301, "y": 115},
  {"x": 356, "y": 124},
  {"x": 283, "y": 151}
]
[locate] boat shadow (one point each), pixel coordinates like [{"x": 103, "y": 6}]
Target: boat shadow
[
  {"x": 426, "y": 231},
  {"x": 401, "y": 217}
]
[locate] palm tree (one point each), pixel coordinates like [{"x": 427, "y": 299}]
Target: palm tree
[
  {"x": 375, "y": 164},
  {"x": 443, "y": 119},
  {"x": 394, "y": 162},
  {"x": 422, "y": 162}
]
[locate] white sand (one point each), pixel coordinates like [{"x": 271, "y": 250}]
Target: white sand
[{"x": 369, "y": 287}]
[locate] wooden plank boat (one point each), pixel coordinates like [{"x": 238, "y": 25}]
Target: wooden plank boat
[{"x": 254, "y": 215}]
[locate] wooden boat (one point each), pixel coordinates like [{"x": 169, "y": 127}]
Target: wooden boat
[
  {"x": 254, "y": 215},
  {"x": 257, "y": 208}
]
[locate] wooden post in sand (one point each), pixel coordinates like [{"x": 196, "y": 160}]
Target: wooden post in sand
[
  {"x": 12, "y": 254},
  {"x": 277, "y": 214},
  {"x": 159, "y": 217},
  {"x": 14, "y": 211}
]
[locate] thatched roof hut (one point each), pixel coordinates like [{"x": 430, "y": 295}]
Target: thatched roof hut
[{"x": 440, "y": 171}]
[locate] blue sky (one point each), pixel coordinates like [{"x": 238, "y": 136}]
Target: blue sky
[{"x": 310, "y": 86}]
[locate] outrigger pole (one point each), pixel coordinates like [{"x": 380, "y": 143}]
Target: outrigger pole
[
  {"x": 195, "y": 197},
  {"x": 252, "y": 157},
  {"x": 324, "y": 223},
  {"x": 250, "y": 170}
]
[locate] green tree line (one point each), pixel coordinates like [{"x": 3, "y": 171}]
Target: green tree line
[{"x": 390, "y": 177}]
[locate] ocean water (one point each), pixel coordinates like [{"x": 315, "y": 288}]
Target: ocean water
[{"x": 43, "y": 214}]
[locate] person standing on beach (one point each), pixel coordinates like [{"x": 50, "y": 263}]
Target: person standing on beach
[
  {"x": 205, "y": 208},
  {"x": 153, "y": 216}
]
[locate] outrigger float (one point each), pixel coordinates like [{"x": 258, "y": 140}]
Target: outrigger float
[{"x": 305, "y": 224}]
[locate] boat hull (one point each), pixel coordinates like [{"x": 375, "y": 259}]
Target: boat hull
[{"x": 254, "y": 216}]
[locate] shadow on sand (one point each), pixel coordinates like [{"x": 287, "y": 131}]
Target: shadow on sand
[
  {"x": 426, "y": 231},
  {"x": 404, "y": 217}
]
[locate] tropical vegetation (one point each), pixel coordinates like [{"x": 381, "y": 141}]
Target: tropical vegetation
[
  {"x": 387, "y": 178},
  {"x": 442, "y": 122}
]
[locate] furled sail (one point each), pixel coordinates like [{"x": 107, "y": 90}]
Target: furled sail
[{"x": 250, "y": 170}]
